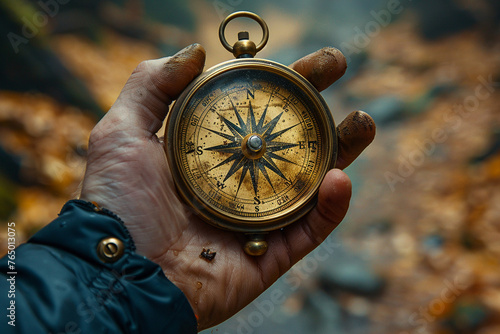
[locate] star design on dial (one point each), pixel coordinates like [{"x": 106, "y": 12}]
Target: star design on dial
[{"x": 234, "y": 146}]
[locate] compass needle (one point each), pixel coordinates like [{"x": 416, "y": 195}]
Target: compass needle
[
  {"x": 264, "y": 172},
  {"x": 279, "y": 133},
  {"x": 223, "y": 135},
  {"x": 271, "y": 125},
  {"x": 269, "y": 163},
  {"x": 242, "y": 177},
  {"x": 228, "y": 148},
  {"x": 243, "y": 126},
  {"x": 240, "y": 162},
  {"x": 231, "y": 158},
  {"x": 279, "y": 146},
  {"x": 277, "y": 157},
  {"x": 236, "y": 130},
  {"x": 260, "y": 127},
  {"x": 254, "y": 174},
  {"x": 251, "y": 118}
]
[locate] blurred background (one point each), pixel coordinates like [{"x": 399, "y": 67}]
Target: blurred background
[{"x": 419, "y": 250}]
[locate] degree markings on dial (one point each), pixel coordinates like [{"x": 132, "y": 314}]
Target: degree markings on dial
[{"x": 287, "y": 100}]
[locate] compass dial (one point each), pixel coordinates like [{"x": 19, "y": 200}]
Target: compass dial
[{"x": 250, "y": 145}]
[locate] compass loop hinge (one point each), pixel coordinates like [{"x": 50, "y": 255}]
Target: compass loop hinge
[{"x": 244, "y": 47}]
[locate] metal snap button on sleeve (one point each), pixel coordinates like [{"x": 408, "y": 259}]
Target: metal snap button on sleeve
[{"x": 110, "y": 249}]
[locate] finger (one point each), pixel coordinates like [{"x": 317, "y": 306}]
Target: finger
[
  {"x": 322, "y": 68},
  {"x": 354, "y": 134},
  {"x": 289, "y": 245},
  {"x": 154, "y": 84}
]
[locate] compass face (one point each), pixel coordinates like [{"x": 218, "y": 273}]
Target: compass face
[{"x": 250, "y": 145}]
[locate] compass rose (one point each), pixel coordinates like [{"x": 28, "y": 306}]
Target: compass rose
[{"x": 252, "y": 147}]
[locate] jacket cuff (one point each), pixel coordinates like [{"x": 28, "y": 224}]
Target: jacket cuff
[{"x": 147, "y": 301}]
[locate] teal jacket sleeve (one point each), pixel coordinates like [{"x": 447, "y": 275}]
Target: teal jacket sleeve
[{"x": 58, "y": 281}]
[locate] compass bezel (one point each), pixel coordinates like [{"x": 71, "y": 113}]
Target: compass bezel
[{"x": 218, "y": 217}]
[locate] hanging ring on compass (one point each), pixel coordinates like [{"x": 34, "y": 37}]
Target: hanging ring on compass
[{"x": 255, "y": 17}]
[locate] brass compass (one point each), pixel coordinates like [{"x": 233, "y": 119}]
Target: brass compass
[{"x": 249, "y": 142}]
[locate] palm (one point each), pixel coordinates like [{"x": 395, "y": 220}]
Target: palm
[
  {"x": 173, "y": 237},
  {"x": 127, "y": 172}
]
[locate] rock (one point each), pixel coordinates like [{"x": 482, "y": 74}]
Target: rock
[{"x": 352, "y": 276}]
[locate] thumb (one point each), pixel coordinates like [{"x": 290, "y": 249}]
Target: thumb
[{"x": 154, "y": 84}]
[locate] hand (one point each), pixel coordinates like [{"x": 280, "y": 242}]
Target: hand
[{"x": 127, "y": 173}]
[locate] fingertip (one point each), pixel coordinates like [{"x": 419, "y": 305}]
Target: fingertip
[
  {"x": 334, "y": 60},
  {"x": 322, "y": 68},
  {"x": 195, "y": 47},
  {"x": 171, "y": 75},
  {"x": 196, "y": 54},
  {"x": 154, "y": 84},
  {"x": 354, "y": 134}
]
